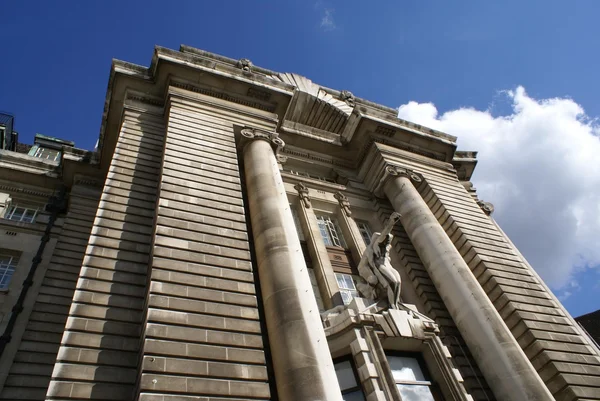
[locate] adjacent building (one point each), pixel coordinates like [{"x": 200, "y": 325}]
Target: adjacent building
[{"x": 244, "y": 234}]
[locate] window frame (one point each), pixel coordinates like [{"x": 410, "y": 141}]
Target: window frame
[
  {"x": 10, "y": 212},
  {"x": 306, "y": 174},
  {"x": 351, "y": 292},
  {"x": 7, "y": 269},
  {"x": 418, "y": 356},
  {"x": 358, "y": 387},
  {"x": 37, "y": 152},
  {"x": 331, "y": 226},
  {"x": 365, "y": 231}
]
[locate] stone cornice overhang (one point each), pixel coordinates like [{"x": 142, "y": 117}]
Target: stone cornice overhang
[
  {"x": 222, "y": 77},
  {"x": 464, "y": 163},
  {"x": 20, "y": 167}
]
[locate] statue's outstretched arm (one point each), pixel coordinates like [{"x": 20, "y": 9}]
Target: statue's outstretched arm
[{"x": 394, "y": 217}]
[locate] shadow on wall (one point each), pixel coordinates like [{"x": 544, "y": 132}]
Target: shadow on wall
[{"x": 121, "y": 334}]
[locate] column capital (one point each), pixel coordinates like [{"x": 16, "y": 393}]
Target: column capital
[
  {"x": 344, "y": 203},
  {"x": 391, "y": 171},
  {"x": 249, "y": 134},
  {"x": 303, "y": 194}
]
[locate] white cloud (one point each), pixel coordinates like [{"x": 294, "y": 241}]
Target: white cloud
[
  {"x": 327, "y": 22},
  {"x": 540, "y": 167}
]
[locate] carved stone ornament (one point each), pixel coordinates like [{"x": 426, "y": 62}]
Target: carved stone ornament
[
  {"x": 392, "y": 171},
  {"x": 383, "y": 281},
  {"x": 245, "y": 64},
  {"x": 271, "y": 137},
  {"x": 344, "y": 203},
  {"x": 403, "y": 171},
  {"x": 347, "y": 97},
  {"x": 303, "y": 194},
  {"x": 487, "y": 207}
]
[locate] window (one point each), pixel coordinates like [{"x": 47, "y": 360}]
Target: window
[
  {"x": 347, "y": 286},
  {"x": 46, "y": 153},
  {"x": 313, "y": 176},
  {"x": 365, "y": 231},
  {"x": 297, "y": 223},
  {"x": 410, "y": 378},
  {"x": 18, "y": 213},
  {"x": 330, "y": 231},
  {"x": 346, "y": 376},
  {"x": 8, "y": 263}
]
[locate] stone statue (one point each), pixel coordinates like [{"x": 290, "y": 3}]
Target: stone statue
[{"x": 375, "y": 267}]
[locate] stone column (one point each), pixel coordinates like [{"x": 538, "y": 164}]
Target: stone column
[
  {"x": 506, "y": 368},
  {"x": 301, "y": 360},
  {"x": 330, "y": 292}
]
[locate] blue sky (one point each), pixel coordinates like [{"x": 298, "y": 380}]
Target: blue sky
[{"x": 440, "y": 54}]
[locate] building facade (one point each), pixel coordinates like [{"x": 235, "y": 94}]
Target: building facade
[{"x": 245, "y": 234}]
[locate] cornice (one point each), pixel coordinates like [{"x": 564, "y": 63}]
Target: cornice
[
  {"x": 11, "y": 188},
  {"x": 224, "y": 96},
  {"x": 299, "y": 153},
  {"x": 339, "y": 118}
]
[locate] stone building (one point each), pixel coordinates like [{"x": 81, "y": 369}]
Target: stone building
[{"x": 245, "y": 234}]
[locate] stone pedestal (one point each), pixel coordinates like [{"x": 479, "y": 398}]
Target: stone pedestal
[
  {"x": 301, "y": 359},
  {"x": 505, "y": 366}
]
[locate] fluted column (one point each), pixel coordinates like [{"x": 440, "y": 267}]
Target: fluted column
[
  {"x": 506, "y": 368},
  {"x": 301, "y": 359}
]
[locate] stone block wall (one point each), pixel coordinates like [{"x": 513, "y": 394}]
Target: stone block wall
[
  {"x": 32, "y": 365},
  {"x": 98, "y": 357},
  {"x": 202, "y": 333},
  {"x": 549, "y": 338}
]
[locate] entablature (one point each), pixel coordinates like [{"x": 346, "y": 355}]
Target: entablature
[{"x": 310, "y": 116}]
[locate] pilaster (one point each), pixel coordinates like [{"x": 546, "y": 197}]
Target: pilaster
[{"x": 328, "y": 287}]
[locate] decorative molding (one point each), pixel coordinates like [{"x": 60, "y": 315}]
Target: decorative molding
[
  {"x": 272, "y": 137},
  {"x": 392, "y": 171},
  {"x": 245, "y": 64},
  {"x": 303, "y": 194},
  {"x": 344, "y": 203},
  {"x": 20, "y": 190},
  {"x": 385, "y": 131},
  {"x": 92, "y": 182},
  {"x": 487, "y": 207},
  {"x": 224, "y": 96},
  {"x": 153, "y": 101},
  {"x": 398, "y": 145},
  {"x": 265, "y": 96},
  {"x": 302, "y": 154}
]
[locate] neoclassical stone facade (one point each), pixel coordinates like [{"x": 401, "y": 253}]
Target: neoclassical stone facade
[{"x": 243, "y": 234}]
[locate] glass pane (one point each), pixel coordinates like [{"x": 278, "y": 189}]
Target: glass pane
[
  {"x": 365, "y": 231},
  {"x": 405, "y": 368},
  {"x": 324, "y": 231},
  {"x": 28, "y": 216},
  {"x": 345, "y": 375},
  {"x": 411, "y": 392},
  {"x": 17, "y": 213},
  {"x": 349, "y": 282},
  {"x": 338, "y": 232},
  {"x": 346, "y": 296},
  {"x": 356, "y": 395},
  {"x": 340, "y": 280}
]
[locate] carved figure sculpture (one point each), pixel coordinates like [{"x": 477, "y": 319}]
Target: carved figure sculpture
[{"x": 376, "y": 269}]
